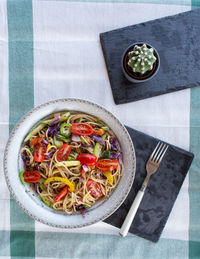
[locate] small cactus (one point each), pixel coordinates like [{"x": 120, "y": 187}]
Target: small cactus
[{"x": 141, "y": 59}]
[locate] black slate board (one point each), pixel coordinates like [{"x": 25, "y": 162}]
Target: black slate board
[
  {"x": 162, "y": 189},
  {"x": 176, "y": 39}
]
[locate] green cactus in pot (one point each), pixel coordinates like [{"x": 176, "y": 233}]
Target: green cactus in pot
[{"x": 141, "y": 59}]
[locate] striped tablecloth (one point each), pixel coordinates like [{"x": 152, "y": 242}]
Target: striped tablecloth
[{"x": 51, "y": 49}]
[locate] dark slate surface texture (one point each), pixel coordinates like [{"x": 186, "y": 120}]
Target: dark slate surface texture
[
  {"x": 176, "y": 39},
  {"x": 162, "y": 189}
]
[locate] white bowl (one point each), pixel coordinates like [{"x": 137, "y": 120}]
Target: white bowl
[{"x": 31, "y": 203}]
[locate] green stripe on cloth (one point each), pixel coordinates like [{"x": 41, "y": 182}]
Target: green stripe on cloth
[
  {"x": 20, "y": 48},
  {"x": 194, "y": 250},
  {"x": 22, "y": 243},
  {"x": 166, "y": 2},
  {"x": 195, "y": 4},
  {"x": 68, "y": 245},
  {"x": 194, "y": 176}
]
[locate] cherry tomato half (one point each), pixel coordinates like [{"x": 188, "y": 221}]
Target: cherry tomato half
[
  {"x": 62, "y": 194},
  {"x": 35, "y": 141},
  {"x": 63, "y": 152},
  {"x": 87, "y": 159},
  {"x": 94, "y": 188},
  {"x": 39, "y": 152},
  {"x": 83, "y": 129},
  {"x": 31, "y": 176},
  {"x": 98, "y": 132},
  {"x": 83, "y": 173},
  {"x": 107, "y": 164}
]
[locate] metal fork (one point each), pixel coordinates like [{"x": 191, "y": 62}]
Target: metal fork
[{"x": 151, "y": 167}]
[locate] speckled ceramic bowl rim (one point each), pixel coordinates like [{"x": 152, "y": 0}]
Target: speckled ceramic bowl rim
[{"x": 5, "y": 162}]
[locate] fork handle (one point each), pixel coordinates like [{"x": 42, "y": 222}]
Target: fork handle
[{"x": 131, "y": 214}]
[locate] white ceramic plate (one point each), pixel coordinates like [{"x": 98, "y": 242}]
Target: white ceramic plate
[{"x": 31, "y": 203}]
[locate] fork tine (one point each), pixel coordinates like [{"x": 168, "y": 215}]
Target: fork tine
[
  {"x": 155, "y": 149},
  {"x": 163, "y": 153},
  {"x": 159, "y": 152},
  {"x": 154, "y": 157}
]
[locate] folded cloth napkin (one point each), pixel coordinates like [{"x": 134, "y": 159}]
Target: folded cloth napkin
[{"x": 161, "y": 191}]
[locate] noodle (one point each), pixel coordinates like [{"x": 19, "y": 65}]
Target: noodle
[{"x": 84, "y": 195}]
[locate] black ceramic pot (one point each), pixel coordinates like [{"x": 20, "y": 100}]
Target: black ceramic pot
[{"x": 135, "y": 77}]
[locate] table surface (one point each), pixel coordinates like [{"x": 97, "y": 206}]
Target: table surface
[{"x": 51, "y": 49}]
